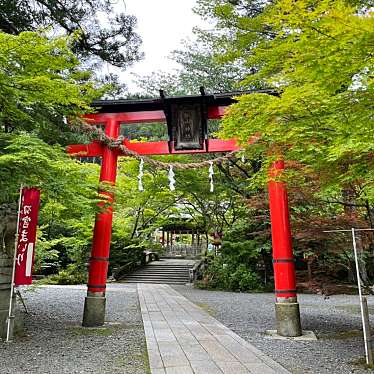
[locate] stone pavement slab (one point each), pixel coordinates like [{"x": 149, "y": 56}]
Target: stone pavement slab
[{"x": 183, "y": 338}]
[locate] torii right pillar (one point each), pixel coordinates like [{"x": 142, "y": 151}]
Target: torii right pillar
[{"x": 286, "y": 306}]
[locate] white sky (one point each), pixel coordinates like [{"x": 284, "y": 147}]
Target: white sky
[{"x": 162, "y": 24}]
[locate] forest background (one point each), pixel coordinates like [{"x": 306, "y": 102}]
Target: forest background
[{"x": 317, "y": 55}]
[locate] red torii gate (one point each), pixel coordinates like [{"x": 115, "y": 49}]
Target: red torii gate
[{"x": 111, "y": 114}]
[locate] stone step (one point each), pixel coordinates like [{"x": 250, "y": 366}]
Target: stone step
[
  {"x": 156, "y": 280},
  {"x": 162, "y": 272},
  {"x": 168, "y": 266},
  {"x": 166, "y": 270},
  {"x": 6, "y": 262},
  {"x": 157, "y": 276},
  {"x": 6, "y": 276},
  {"x": 153, "y": 281},
  {"x": 151, "y": 276}
]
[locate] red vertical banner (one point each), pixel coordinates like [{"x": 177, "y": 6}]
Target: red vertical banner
[{"x": 27, "y": 224}]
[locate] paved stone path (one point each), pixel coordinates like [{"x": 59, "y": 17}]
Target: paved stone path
[{"x": 184, "y": 339}]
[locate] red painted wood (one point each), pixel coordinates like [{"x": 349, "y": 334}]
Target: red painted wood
[
  {"x": 103, "y": 225},
  {"x": 284, "y": 267},
  {"x": 215, "y": 112},
  {"x": 161, "y": 148},
  {"x": 284, "y": 271},
  {"x": 127, "y": 117},
  {"x": 95, "y": 149}
]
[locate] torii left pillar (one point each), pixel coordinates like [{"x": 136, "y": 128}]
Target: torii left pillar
[{"x": 94, "y": 306}]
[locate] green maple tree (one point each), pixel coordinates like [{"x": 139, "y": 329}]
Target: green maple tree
[{"x": 320, "y": 61}]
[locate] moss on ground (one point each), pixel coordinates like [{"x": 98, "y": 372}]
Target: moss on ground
[
  {"x": 146, "y": 361},
  {"x": 101, "y": 331},
  {"x": 123, "y": 361},
  {"x": 207, "y": 308},
  {"x": 361, "y": 362},
  {"x": 354, "y": 308},
  {"x": 341, "y": 335},
  {"x": 106, "y": 330}
]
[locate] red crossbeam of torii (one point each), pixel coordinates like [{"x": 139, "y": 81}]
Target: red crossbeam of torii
[
  {"x": 95, "y": 149},
  {"x": 111, "y": 115}
]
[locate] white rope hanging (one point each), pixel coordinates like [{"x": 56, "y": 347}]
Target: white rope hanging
[
  {"x": 171, "y": 176},
  {"x": 211, "y": 174},
  {"x": 140, "y": 176}
]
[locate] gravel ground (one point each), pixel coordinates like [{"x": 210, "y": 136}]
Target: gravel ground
[
  {"x": 336, "y": 322},
  {"x": 54, "y": 341}
]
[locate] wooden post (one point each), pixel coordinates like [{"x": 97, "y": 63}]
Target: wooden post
[
  {"x": 286, "y": 307},
  {"x": 94, "y": 307}
]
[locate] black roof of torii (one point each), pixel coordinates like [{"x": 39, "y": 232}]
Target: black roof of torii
[{"x": 136, "y": 105}]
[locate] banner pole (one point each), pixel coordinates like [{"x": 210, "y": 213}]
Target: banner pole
[
  {"x": 363, "y": 302},
  {"x": 10, "y": 319}
]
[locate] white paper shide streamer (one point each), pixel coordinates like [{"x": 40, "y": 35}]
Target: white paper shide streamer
[
  {"x": 171, "y": 176},
  {"x": 211, "y": 174},
  {"x": 140, "y": 176}
]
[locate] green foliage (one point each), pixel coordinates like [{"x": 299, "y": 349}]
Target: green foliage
[
  {"x": 67, "y": 207},
  {"x": 27, "y": 160},
  {"x": 320, "y": 61},
  {"x": 315, "y": 54},
  {"x": 145, "y": 132},
  {"x": 228, "y": 276},
  {"x": 124, "y": 249},
  {"x": 73, "y": 274},
  {"x": 235, "y": 268},
  {"x": 243, "y": 279},
  {"x": 40, "y": 82},
  {"x": 103, "y": 33},
  {"x": 45, "y": 253}
]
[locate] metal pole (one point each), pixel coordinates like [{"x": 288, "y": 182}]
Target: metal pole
[
  {"x": 365, "y": 321},
  {"x": 369, "y": 357},
  {"x": 363, "y": 301},
  {"x": 10, "y": 318}
]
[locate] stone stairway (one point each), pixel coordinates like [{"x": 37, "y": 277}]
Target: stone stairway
[{"x": 165, "y": 271}]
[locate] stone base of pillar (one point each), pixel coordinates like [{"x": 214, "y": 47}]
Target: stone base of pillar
[
  {"x": 94, "y": 310},
  {"x": 288, "y": 319}
]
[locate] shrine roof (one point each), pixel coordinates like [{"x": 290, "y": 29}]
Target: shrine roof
[
  {"x": 182, "y": 224},
  {"x": 135, "y": 105}
]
